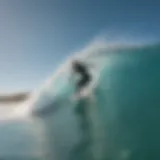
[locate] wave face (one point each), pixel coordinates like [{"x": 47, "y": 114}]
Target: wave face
[{"x": 120, "y": 121}]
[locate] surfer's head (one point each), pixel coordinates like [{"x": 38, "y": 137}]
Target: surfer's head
[{"x": 75, "y": 63}]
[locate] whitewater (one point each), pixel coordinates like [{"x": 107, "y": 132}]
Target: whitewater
[{"x": 115, "y": 123}]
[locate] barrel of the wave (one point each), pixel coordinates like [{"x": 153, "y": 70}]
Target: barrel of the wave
[{"x": 126, "y": 105}]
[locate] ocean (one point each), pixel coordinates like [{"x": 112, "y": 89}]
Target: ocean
[{"x": 118, "y": 121}]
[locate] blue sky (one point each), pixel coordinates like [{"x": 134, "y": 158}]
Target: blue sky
[{"x": 37, "y": 35}]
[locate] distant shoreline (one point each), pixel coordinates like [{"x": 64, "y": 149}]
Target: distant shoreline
[{"x": 14, "y": 97}]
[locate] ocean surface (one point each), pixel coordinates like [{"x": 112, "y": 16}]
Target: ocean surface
[{"x": 120, "y": 120}]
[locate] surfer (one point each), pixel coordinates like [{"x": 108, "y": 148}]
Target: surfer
[{"x": 81, "y": 69}]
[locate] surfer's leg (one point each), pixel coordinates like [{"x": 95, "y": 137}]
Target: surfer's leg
[{"x": 82, "y": 83}]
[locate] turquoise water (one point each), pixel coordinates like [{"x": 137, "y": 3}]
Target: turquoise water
[
  {"x": 126, "y": 123},
  {"x": 119, "y": 122}
]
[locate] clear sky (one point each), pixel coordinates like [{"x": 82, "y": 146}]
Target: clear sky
[{"x": 36, "y": 35}]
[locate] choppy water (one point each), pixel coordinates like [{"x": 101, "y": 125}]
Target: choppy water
[{"x": 120, "y": 122}]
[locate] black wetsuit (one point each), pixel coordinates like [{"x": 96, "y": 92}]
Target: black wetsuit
[{"x": 81, "y": 69}]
